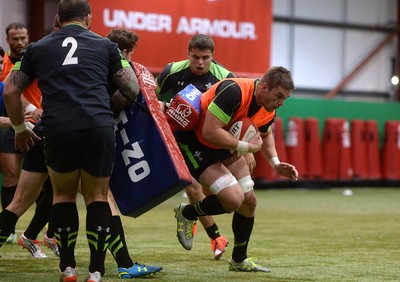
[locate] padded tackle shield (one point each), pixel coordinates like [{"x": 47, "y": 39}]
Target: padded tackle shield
[
  {"x": 149, "y": 167},
  {"x": 184, "y": 110}
]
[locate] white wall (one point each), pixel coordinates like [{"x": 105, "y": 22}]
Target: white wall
[{"x": 320, "y": 57}]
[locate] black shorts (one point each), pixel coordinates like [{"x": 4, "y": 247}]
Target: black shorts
[
  {"x": 34, "y": 159},
  {"x": 198, "y": 156},
  {"x": 92, "y": 150},
  {"x": 7, "y": 136}
]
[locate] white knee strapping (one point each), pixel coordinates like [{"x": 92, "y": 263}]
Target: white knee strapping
[
  {"x": 246, "y": 183},
  {"x": 223, "y": 182}
]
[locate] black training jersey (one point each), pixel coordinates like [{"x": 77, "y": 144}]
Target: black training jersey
[
  {"x": 73, "y": 66},
  {"x": 176, "y": 76}
]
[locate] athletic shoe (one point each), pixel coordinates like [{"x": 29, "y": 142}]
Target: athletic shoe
[
  {"x": 194, "y": 230},
  {"x": 218, "y": 246},
  {"x": 69, "y": 275},
  {"x": 94, "y": 277},
  {"x": 51, "y": 243},
  {"x": 246, "y": 266},
  {"x": 184, "y": 228},
  {"x": 138, "y": 270},
  {"x": 32, "y": 246},
  {"x": 12, "y": 238}
]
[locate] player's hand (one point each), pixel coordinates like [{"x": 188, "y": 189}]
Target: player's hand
[
  {"x": 287, "y": 170},
  {"x": 36, "y": 114},
  {"x": 255, "y": 143},
  {"x": 25, "y": 140}
]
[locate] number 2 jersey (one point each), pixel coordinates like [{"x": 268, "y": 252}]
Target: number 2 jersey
[{"x": 73, "y": 67}]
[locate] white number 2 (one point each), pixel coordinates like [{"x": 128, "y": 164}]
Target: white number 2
[{"x": 70, "y": 59}]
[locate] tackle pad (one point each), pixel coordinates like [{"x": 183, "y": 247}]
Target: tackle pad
[{"x": 149, "y": 167}]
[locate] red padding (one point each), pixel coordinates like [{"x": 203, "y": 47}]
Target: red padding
[
  {"x": 391, "y": 151},
  {"x": 372, "y": 153},
  {"x": 359, "y": 152},
  {"x": 313, "y": 149},
  {"x": 295, "y": 145}
]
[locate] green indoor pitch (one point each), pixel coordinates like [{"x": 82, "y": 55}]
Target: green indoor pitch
[{"x": 301, "y": 235}]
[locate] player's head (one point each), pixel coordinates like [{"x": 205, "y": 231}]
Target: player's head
[
  {"x": 74, "y": 10},
  {"x": 56, "y": 23},
  {"x": 279, "y": 76},
  {"x": 274, "y": 88},
  {"x": 126, "y": 40},
  {"x": 17, "y": 38},
  {"x": 200, "y": 53},
  {"x": 1, "y": 58}
]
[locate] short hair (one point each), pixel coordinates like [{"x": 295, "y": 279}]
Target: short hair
[
  {"x": 201, "y": 42},
  {"x": 125, "y": 38},
  {"x": 69, "y": 10},
  {"x": 2, "y": 51},
  {"x": 15, "y": 25},
  {"x": 278, "y": 76}
]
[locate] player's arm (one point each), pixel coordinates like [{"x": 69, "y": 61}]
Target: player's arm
[
  {"x": 268, "y": 150},
  {"x": 127, "y": 83},
  {"x": 268, "y": 147},
  {"x": 15, "y": 83},
  {"x": 227, "y": 99},
  {"x": 119, "y": 101},
  {"x": 214, "y": 133},
  {"x": 31, "y": 112},
  {"x": 122, "y": 74}
]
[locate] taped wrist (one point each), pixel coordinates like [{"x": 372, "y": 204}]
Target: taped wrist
[
  {"x": 242, "y": 147},
  {"x": 19, "y": 128},
  {"x": 274, "y": 161}
]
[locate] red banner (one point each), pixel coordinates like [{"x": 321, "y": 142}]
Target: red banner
[{"x": 240, "y": 29}]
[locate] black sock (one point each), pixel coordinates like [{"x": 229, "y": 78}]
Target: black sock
[
  {"x": 98, "y": 232},
  {"x": 117, "y": 245},
  {"x": 8, "y": 220},
  {"x": 49, "y": 190},
  {"x": 7, "y": 194},
  {"x": 66, "y": 225},
  {"x": 213, "y": 231},
  {"x": 40, "y": 218},
  {"x": 210, "y": 205},
  {"x": 242, "y": 227}
]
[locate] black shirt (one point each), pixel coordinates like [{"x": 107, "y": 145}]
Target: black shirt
[{"x": 73, "y": 66}]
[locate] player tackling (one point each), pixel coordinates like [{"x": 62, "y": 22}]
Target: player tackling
[{"x": 207, "y": 152}]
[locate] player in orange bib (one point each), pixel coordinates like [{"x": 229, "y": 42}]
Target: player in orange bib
[{"x": 207, "y": 152}]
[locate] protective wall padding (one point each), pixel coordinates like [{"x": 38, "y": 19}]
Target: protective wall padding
[
  {"x": 313, "y": 149},
  {"x": 391, "y": 151},
  {"x": 295, "y": 145}
]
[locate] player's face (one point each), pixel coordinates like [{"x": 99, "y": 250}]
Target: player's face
[
  {"x": 272, "y": 99},
  {"x": 200, "y": 61},
  {"x": 17, "y": 39}
]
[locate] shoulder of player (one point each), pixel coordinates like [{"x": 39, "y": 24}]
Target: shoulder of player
[
  {"x": 172, "y": 70},
  {"x": 179, "y": 66},
  {"x": 219, "y": 71}
]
